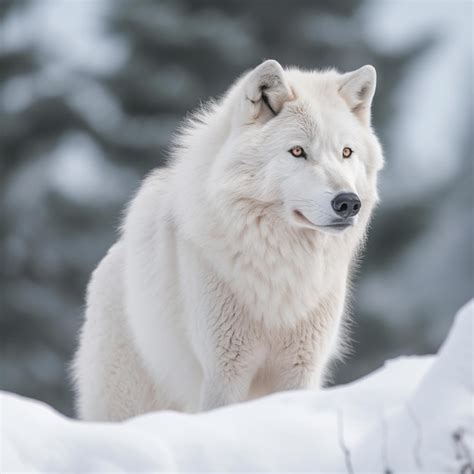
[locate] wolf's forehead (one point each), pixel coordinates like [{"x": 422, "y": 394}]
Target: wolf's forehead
[
  {"x": 315, "y": 118},
  {"x": 316, "y": 101},
  {"x": 303, "y": 116}
]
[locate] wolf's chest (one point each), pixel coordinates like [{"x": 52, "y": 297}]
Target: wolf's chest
[{"x": 283, "y": 292}]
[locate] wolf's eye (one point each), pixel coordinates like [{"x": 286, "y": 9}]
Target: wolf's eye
[
  {"x": 297, "y": 152},
  {"x": 347, "y": 152}
]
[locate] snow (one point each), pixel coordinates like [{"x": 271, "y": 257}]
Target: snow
[{"x": 415, "y": 414}]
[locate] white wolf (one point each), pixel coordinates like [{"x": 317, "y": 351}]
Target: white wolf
[{"x": 230, "y": 277}]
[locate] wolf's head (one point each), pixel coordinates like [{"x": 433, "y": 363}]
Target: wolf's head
[{"x": 301, "y": 143}]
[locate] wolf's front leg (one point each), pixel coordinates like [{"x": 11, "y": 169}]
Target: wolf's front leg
[
  {"x": 295, "y": 376},
  {"x": 221, "y": 389},
  {"x": 299, "y": 360},
  {"x": 229, "y": 369},
  {"x": 223, "y": 339}
]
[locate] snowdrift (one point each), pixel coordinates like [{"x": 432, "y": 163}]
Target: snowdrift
[{"x": 416, "y": 414}]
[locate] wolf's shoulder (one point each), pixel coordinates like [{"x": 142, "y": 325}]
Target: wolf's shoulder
[
  {"x": 154, "y": 186},
  {"x": 156, "y": 179},
  {"x": 148, "y": 201}
]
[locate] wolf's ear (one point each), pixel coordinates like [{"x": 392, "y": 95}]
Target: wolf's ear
[
  {"x": 265, "y": 91},
  {"x": 358, "y": 88}
]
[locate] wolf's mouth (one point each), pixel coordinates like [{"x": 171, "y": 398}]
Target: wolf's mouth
[
  {"x": 336, "y": 225},
  {"x": 302, "y": 218}
]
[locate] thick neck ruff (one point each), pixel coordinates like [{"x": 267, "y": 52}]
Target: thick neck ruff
[{"x": 281, "y": 274}]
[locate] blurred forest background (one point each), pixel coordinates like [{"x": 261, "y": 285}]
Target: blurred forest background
[{"x": 91, "y": 92}]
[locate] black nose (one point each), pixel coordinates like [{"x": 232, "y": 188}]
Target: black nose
[{"x": 346, "y": 204}]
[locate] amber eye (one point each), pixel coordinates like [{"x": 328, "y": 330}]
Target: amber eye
[
  {"x": 297, "y": 152},
  {"x": 347, "y": 152}
]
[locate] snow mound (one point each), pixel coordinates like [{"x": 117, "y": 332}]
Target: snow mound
[{"x": 413, "y": 415}]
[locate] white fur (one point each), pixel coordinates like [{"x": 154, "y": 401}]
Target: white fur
[{"x": 218, "y": 291}]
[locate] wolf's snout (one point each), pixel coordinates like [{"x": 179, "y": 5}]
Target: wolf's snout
[{"x": 346, "y": 205}]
